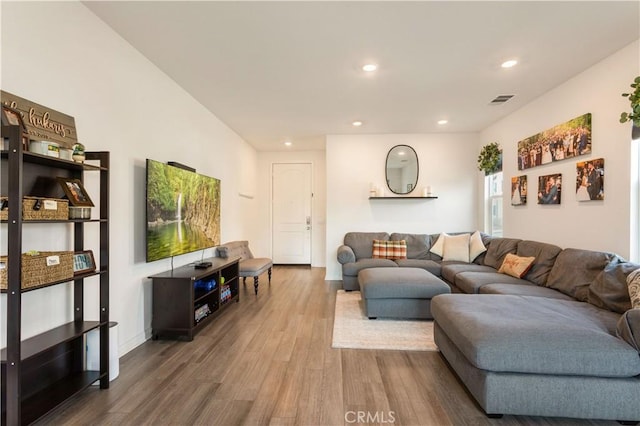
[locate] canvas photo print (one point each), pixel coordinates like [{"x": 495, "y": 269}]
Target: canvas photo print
[
  {"x": 560, "y": 142},
  {"x": 590, "y": 180},
  {"x": 550, "y": 189},
  {"x": 518, "y": 190}
]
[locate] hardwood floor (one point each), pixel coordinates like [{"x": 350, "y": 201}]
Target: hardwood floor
[{"x": 268, "y": 360}]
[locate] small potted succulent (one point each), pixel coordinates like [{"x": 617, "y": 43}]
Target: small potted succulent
[
  {"x": 490, "y": 158},
  {"x": 78, "y": 153},
  {"x": 634, "y": 115}
]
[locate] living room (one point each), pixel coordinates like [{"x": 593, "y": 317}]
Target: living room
[{"x": 61, "y": 54}]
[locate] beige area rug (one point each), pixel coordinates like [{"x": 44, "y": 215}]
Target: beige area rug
[{"x": 353, "y": 330}]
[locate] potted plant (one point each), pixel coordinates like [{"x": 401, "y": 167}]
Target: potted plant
[
  {"x": 634, "y": 115},
  {"x": 490, "y": 158},
  {"x": 78, "y": 153}
]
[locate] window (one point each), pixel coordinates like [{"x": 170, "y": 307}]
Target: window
[{"x": 493, "y": 201}]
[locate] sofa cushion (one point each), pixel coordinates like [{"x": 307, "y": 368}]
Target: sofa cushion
[
  {"x": 524, "y": 334},
  {"x": 575, "y": 269},
  {"x": 523, "y": 290},
  {"x": 545, "y": 255},
  {"x": 456, "y": 247},
  {"x": 362, "y": 242},
  {"x": 254, "y": 266},
  {"x": 516, "y": 266},
  {"x": 628, "y": 328},
  {"x": 633, "y": 287},
  {"x": 417, "y": 244},
  {"x": 470, "y": 282},
  {"x": 609, "y": 289},
  {"x": 486, "y": 240},
  {"x": 386, "y": 249},
  {"x": 428, "y": 265},
  {"x": 451, "y": 269},
  {"x": 498, "y": 249},
  {"x": 353, "y": 268}
]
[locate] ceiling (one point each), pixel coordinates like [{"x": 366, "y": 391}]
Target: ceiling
[{"x": 277, "y": 71}]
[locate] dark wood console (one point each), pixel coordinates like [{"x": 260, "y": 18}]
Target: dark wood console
[{"x": 186, "y": 299}]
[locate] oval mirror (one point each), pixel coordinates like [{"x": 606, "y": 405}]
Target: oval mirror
[{"x": 402, "y": 169}]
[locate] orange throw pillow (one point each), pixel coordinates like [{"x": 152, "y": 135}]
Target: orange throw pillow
[
  {"x": 516, "y": 266},
  {"x": 383, "y": 249}
]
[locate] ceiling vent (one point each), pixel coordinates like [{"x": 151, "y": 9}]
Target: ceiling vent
[{"x": 501, "y": 99}]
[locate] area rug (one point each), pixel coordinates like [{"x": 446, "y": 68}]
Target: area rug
[{"x": 353, "y": 330}]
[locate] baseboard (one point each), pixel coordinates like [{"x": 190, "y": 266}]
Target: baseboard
[{"x": 134, "y": 342}]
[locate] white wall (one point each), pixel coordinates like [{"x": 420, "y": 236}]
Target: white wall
[
  {"x": 447, "y": 163},
  {"x": 62, "y": 56},
  {"x": 595, "y": 225},
  {"x": 263, "y": 243}
]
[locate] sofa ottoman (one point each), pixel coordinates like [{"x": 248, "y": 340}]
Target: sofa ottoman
[{"x": 399, "y": 292}]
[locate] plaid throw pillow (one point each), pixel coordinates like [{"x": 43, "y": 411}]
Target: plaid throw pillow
[{"x": 383, "y": 249}]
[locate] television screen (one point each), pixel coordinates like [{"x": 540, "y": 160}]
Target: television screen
[{"x": 183, "y": 211}]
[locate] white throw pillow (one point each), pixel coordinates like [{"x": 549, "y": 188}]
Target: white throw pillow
[
  {"x": 456, "y": 247},
  {"x": 438, "y": 247},
  {"x": 476, "y": 247}
]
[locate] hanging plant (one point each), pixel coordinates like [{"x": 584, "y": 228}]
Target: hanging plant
[
  {"x": 634, "y": 100},
  {"x": 490, "y": 158}
]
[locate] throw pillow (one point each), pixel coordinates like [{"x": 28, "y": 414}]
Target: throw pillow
[
  {"x": 476, "y": 247},
  {"x": 456, "y": 247},
  {"x": 438, "y": 247},
  {"x": 633, "y": 285},
  {"x": 516, "y": 266},
  {"x": 386, "y": 249},
  {"x": 223, "y": 252}
]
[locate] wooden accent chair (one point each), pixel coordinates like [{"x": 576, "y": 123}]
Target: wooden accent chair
[{"x": 249, "y": 266}]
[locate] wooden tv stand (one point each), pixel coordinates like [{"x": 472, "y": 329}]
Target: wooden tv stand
[{"x": 176, "y": 301}]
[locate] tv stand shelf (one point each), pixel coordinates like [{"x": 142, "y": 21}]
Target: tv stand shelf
[{"x": 176, "y": 300}]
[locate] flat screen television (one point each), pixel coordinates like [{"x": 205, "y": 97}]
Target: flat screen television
[{"x": 183, "y": 211}]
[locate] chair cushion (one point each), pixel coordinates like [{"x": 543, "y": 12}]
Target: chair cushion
[
  {"x": 523, "y": 334},
  {"x": 523, "y": 290},
  {"x": 451, "y": 269},
  {"x": 575, "y": 269},
  {"x": 498, "y": 249},
  {"x": 362, "y": 242},
  {"x": 428, "y": 265},
  {"x": 417, "y": 244},
  {"x": 545, "y": 255},
  {"x": 470, "y": 282},
  {"x": 235, "y": 249},
  {"x": 255, "y": 266}
]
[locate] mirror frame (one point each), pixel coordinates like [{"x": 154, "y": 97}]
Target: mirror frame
[{"x": 386, "y": 168}]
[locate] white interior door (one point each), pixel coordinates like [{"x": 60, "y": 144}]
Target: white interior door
[{"x": 291, "y": 218}]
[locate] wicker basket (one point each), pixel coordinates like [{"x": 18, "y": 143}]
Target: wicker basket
[
  {"x": 50, "y": 209},
  {"x": 35, "y": 271}
]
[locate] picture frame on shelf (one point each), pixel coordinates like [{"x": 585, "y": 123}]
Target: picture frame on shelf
[
  {"x": 75, "y": 192},
  {"x": 83, "y": 262},
  {"x": 13, "y": 117}
]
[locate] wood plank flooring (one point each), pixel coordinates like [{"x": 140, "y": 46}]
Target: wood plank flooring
[{"x": 268, "y": 361}]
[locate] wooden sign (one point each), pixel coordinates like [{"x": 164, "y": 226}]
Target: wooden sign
[{"x": 43, "y": 123}]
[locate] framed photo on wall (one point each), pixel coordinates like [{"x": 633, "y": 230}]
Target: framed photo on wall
[
  {"x": 590, "y": 180},
  {"x": 550, "y": 189}
]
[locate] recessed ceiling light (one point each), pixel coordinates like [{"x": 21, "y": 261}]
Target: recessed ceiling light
[
  {"x": 288, "y": 143},
  {"x": 441, "y": 122},
  {"x": 357, "y": 123},
  {"x": 510, "y": 63},
  {"x": 370, "y": 67},
  {"x": 401, "y": 153}
]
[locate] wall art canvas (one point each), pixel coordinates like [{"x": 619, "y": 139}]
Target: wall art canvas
[
  {"x": 558, "y": 143},
  {"x": 590, "y": 180},
  {"x": 550, "y": 189},
  {"x": 519, "y": 190}
]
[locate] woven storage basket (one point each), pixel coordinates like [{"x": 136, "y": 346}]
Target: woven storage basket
[
  {"x": 61, "y": 211},
  {"x": 35, "y": 271}
]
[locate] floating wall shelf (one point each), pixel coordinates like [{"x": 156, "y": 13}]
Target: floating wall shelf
[{"x": 403, "y": 198}]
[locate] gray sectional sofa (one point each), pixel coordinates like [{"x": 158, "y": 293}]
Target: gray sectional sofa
[{"x": 560, "y": 341}]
